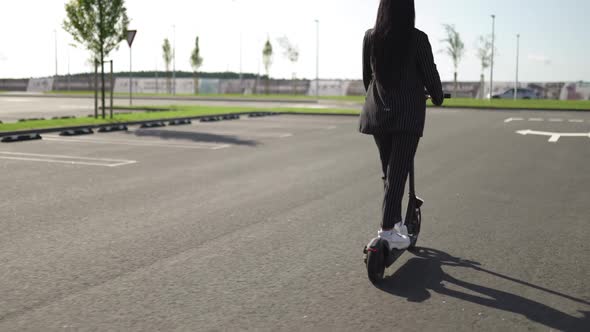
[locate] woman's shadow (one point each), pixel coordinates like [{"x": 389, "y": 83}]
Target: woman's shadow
[{"x": 423, "y": 274}]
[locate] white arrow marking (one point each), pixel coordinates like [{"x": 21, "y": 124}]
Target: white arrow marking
[{"x": 554, "y": 137}]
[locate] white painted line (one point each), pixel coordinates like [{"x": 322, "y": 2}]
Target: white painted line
[
  {"x": 70, "y": 160},
  {"x": 15, "y": 100},
  {"x": 224, "y": 146},
  {"x": 74, "y": 107},
  {"x": 247, "y": 133},
  {"x": 331, "y": 127},
  {"x": 576, "y": 120},
  {"x": 441, "y": 111},
  {"x": 554, "y": 137},
  {"x": 212, "y": 146},
  {"x": 555, "y": 120},
  {"x": 536, "y": 119},
  {"x": 512, "y": 119},
  {"x": 67, "y": 162},
  {"x": 286, "y": 135}
]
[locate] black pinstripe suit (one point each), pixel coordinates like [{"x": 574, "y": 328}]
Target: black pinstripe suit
[{"x": 395, "y": 117}]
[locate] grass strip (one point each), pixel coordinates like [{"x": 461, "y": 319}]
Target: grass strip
[
  {"x": 454, "y": 102},
  {"x": 176, "y": 111}
]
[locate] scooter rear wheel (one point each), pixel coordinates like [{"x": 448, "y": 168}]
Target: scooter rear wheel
[{"x": 414, "y": 229}]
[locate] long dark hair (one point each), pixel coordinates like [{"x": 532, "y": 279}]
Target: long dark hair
[{"x": 396, "y": 20}]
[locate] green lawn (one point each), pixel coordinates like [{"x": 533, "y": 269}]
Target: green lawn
[
  {"x": 519, "y": 104},
  {"x": 176, "y": 111},
  {"x": 455, "y": 102}
]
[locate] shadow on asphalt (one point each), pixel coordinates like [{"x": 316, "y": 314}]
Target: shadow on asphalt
[
  {"x": 193, "y": 136},
  {"x": 424, "y": 273}
]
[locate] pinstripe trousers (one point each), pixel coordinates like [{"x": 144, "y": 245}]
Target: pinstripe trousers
[{"x": 397, "y": 151}]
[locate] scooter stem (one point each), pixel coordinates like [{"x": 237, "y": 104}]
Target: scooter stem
[{"x": 412, "y": 184}]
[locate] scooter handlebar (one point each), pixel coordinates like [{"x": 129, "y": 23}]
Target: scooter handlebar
[{"x": 445, "y": 96}]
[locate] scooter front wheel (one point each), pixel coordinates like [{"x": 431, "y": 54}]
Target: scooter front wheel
[{"x": 375, "y": 259}]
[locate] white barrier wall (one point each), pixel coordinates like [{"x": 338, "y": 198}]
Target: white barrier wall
[
  {"x": 162, "y": 85},
  {"x": 329, "y": 87},
  {"x": 153, "y": 85},
  {"x": 576, "y": 91},
  {"x": 40, "y": 85},
  {"x": 209, "y": 85}
]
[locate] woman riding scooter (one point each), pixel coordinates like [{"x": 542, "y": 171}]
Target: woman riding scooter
[{"x": 398, "y": 66}]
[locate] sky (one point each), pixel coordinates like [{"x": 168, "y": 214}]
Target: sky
[{"x": 554, "y": 36}]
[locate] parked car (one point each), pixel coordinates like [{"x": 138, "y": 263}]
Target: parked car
[{"x": 522, "y": 93}]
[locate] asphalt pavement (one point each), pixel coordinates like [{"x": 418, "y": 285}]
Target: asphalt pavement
[{"x": 259, "y": 224}]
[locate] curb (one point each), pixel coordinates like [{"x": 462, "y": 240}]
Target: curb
[
  {"x": 152, "y": 123},
  {"x": 20, "y": 138},
  {"x": 77, "y": 132},
  {"x": 179, "y": 122},
  {"x": 109, "y": 129}
]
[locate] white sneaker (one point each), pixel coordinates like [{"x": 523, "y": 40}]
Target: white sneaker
[
  {"x": 401, "y": 228},
  {"x": 395, "y": 239}
]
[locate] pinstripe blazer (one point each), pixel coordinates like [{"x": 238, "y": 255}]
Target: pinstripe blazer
[{"x": 401, "y": 109}]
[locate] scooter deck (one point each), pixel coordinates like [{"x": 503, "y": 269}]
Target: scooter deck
[
  {"x": 393, "y": 256},
  {"x": 390, "y": 257}
]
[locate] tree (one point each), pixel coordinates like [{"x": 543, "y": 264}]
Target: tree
[
  {"x": 167, "y": 55},
  {"x": 484, "y": 54},
  {"x": 196, "y": 63},
  {"x": 454, "y": 48},
  {"x": 267, "y": 60},
  {"x": 99, "y": 25},
  {"x": 291, "y": 52}
]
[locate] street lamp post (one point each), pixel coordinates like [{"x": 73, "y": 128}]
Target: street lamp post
[
  {"x": 68, "y": 81},
  {"x": 317, "y": 60},
  {"x": 174, "y": 62},
  {"x": 56, "y": 73},
  {"x": 517, "y": 59},
  {"x": 492, "y": 60},
  {"x": 241, "y": 74},
  {"x": 239, "y": 21}
]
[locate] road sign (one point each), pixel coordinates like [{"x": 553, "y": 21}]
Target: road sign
[
  {"x": 554, "y": 137},
  {"x": 130, "y": 36}
]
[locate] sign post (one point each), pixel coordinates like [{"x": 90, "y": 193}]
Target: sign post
[
  {"x": 130, "y": 37},
  {"x": 112, "y": 88}
]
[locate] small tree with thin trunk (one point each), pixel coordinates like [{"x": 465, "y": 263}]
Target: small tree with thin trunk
[
  {"x": 167, "y": 55},
  {"x": 99, "y": 25},
  {"x": 291, "y": 52},
  {"x": 484, "y": 54},
  {"x": 196, "y": 63},
  {"x": 454, "y": 48},
  {"x": 267, "y": 60}
]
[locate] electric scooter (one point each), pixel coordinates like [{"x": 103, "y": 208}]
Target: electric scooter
[{"x": 378, "y": 254}]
